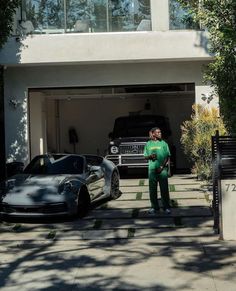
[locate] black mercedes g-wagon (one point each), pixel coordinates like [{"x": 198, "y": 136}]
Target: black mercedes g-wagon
[{"x": 129, "y": 136}]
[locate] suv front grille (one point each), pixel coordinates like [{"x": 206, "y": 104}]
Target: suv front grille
[
  {"x": 132, "y": 149},
  {"x": 133, "y": 160}
]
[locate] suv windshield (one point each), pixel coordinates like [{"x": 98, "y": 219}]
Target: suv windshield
[{"x": 139, "y": 125}]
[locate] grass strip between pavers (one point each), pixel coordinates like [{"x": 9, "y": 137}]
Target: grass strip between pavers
[
  {"x": 172, "y": 188},
  {"x": 135, "y": 213},
  {"x": 139, "y": 196},
  {"x": 131, "y": 232},
  {"x": 97, "y": 224},
  {"x": 141, "y": 182}
]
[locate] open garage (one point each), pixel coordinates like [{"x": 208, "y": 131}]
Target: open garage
[
  {"x": 79, "y": 120},
  {"x": 43, "y": 103}
]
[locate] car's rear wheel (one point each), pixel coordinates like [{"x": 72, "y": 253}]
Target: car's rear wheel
[
  {"x": 115, "y": 186},
  {"x": 83, "y": 203}
]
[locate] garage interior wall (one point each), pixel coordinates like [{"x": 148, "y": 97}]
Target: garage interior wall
[
  {"x": 93, "y": 120},
  {"x": 37, "y": 132}
]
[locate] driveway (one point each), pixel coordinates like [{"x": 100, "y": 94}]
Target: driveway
[{"x": 118, "y": 246}]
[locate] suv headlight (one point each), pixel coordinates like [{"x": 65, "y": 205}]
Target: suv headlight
[{"x": 114, "y": 149}]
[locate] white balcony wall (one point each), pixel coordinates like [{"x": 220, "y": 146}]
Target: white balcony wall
[{"x": 106, "y": 47}]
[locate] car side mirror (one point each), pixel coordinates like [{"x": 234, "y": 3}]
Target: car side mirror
[{"x": 94, "y": 169}]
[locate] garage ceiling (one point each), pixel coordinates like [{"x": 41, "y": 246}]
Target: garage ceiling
[{"x": 123, "y": 92}]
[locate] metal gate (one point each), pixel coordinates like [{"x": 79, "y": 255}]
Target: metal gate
[{"x": 224, "y": 167}]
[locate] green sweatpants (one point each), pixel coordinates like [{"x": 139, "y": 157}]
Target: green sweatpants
[{"x": 162, "y": 179}]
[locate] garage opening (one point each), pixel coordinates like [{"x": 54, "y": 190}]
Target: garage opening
[{"x": 79, "y": 120}]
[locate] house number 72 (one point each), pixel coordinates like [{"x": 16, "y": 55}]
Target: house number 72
[{"x": 231, "y": 187}]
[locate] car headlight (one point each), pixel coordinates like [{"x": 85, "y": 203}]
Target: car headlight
[
  {"x": 67, "y": 187},
  {"x": 114, "y": 150},
  {"x": 11, "y": 184}
]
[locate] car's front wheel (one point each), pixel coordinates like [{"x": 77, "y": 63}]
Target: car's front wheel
[
  {"x": 115, "y": 186},
  {"x": 83, "y": 203}
]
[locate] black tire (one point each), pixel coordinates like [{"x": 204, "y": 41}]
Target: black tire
[
  {"x": 123, "y": 172},
  {"x": 115, "y": 186},
  {"x": 83, "y": 203}
]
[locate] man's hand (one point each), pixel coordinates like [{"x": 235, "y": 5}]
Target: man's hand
[
  {"x": 153, "y": 157},
  {"x": 159, "y": 170}
]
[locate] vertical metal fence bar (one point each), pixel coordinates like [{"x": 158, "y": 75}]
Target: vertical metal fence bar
[
  {"x": 216, "y": 178},
  {"x": 2, "y": 127}
]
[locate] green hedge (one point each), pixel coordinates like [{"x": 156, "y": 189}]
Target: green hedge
[{"x": 196, "y": 139}]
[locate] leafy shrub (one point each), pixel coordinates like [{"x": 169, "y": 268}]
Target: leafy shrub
[{"x": 196, "y": 139}]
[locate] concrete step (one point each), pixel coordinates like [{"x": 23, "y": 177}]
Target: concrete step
[
  {"x": 123, "y": 204},
  {"x": 173, "y": 195},
  {"x": 156, "y": 221},
  {"x": 113, "y": 233},
  {"x": 198, "y": 211},
  {"x": 172, "y": 188}
]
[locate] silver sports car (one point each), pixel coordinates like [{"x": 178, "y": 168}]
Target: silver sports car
[{"x": 59, "y": 184}]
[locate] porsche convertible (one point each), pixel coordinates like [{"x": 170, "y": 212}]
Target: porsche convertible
[{"x": 59, "y": 184}]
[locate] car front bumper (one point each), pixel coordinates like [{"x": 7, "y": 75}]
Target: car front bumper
[
  {"x": 128, "y": 161},
  {"x": 43, "y": 210}
]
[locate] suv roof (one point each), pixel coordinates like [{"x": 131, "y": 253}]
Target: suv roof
[{"x": 139, "y": 125}]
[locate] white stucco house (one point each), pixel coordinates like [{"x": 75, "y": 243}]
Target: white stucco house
[{"x": 83, "y": 63}]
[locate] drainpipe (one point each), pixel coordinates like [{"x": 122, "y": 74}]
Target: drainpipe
[{"x": 2, "y": 127}]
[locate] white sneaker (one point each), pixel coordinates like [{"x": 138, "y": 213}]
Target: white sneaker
[
  {"x": 168, "y": 211},
  {"x": 152, "y": 211}
]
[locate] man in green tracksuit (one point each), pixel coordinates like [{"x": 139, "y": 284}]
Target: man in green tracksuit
[{"x": 157, "y": 153}]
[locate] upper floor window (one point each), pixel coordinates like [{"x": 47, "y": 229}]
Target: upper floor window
[
  {"x": 180, "y": 18},
  {"x": 59, "y": 16}
]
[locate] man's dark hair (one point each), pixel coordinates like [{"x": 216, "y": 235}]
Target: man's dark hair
[{"x": 154, "y": 128}]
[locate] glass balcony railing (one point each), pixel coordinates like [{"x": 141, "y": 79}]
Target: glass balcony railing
[
  {"x": 180, "y": 18},
  {"x": 77, "y": 16}
]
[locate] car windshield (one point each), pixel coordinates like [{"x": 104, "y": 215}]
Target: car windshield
[
  {"x": 138, "y": 126},
  {"x": 55, "y": 165}
]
